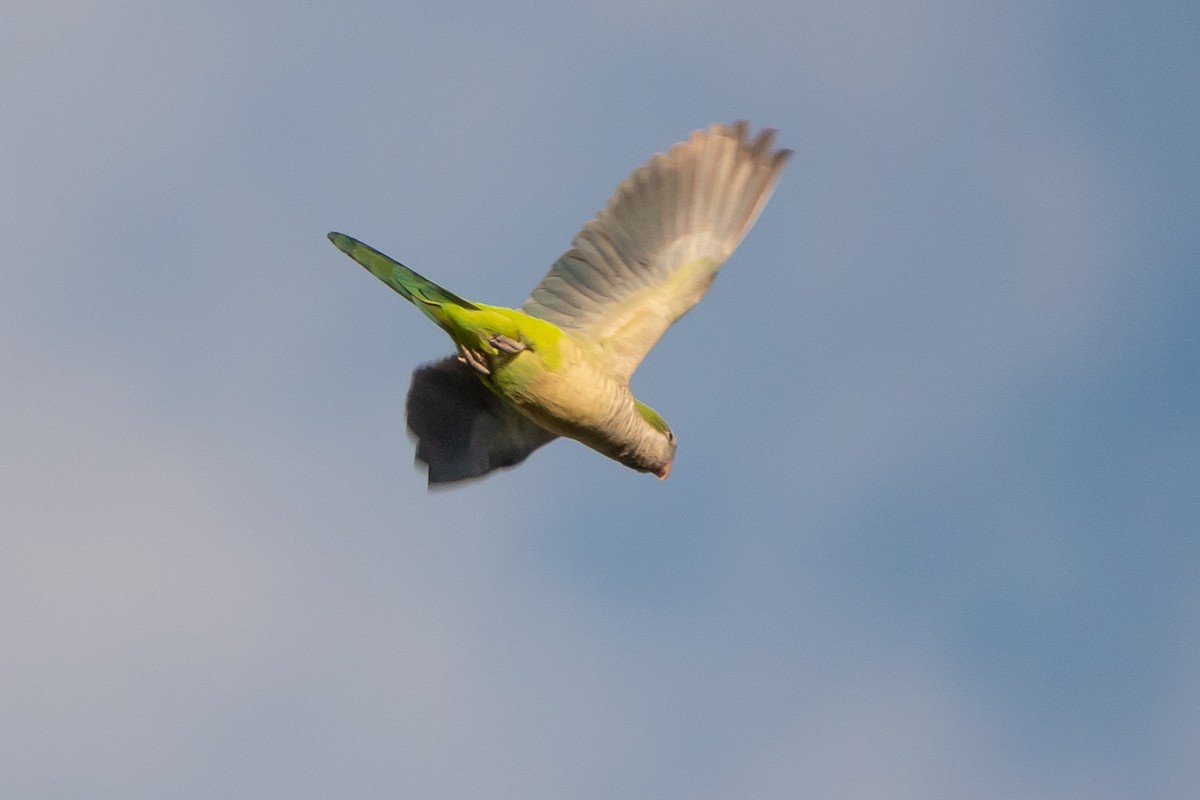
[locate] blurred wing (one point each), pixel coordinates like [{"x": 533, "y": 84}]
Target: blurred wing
[
  {"x": 652, "y": 252},
  {"x": 463, "y": 430}
]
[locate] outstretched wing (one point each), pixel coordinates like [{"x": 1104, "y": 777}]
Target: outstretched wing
[{"x": 652, "y": 252}]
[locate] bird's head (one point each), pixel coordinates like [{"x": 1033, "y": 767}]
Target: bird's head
[{"x": 662, "y": 443}]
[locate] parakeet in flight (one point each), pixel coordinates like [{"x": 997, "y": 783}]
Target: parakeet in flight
[{"x": 560, "y": 364}]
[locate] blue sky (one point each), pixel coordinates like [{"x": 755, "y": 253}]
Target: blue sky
[{"x": 932, "y": 527}]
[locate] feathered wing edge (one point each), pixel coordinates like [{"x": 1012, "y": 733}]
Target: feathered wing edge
[
  {"x": 652, "y": 252},
  {"x": 688, "y": 207},
  {"x": 462, "y": 429}
]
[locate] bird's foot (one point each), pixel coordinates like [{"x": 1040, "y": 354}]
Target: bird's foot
[
  {"x": 506, "y": 345},
  {"x": 473, "y": 360}
]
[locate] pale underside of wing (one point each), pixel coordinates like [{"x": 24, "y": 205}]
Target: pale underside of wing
[{"x": 653, "y": 251}]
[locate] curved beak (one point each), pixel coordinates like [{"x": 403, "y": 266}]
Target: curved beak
[{"x": 664, "y": 472}]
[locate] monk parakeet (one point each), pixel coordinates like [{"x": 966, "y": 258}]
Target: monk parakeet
[{"x": 560, "y": 364}]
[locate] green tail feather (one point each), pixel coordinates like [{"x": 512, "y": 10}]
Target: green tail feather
[{"x": 420, "y": 291}]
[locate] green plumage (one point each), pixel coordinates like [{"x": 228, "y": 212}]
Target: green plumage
[
  {"x": 420, "y": 291},
  {"x": 560, "y": 365}
]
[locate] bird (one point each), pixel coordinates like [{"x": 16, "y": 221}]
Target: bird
[{"x": 560, "y": 364}]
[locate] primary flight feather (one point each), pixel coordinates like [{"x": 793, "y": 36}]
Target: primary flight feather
[{"x": 560, "y": 364}]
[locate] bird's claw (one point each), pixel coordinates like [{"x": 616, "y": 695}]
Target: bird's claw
[
  {"x": 478, "y": 360},
  {"x": 473, "y": 360},
  {"x": 506, "y": 345}
]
